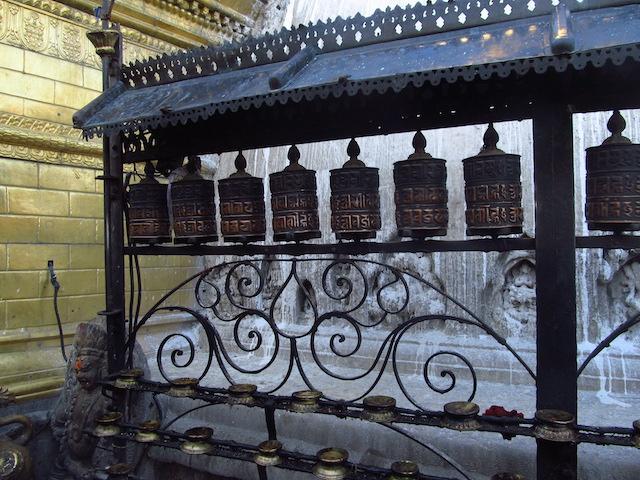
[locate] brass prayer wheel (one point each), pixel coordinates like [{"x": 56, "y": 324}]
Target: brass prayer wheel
[
  {"x": 267, "y": 455},
  {"x": 107, "y": 425},
  {"x": 242, "y": 205},
  {"x": 379, "y": 408},
  {"x": 332, "y": 464},
  {"x": 355, "y": 199},
  {"x": 613, "y": 181},
  {"x": 555, "y": 426},
  {"x": 148, "y": 220},
  {"x": 493, "y": 190},
  {"x": 421, "y": 193},
  {"x": 461, "y": 416},
  {"x": 404, "y": 470},
  {"x": 193, "y": 207},
  {"x": 294, "y": 201},
  {"x": 148, "y": 431},
  {"x": 197, "y": 442}
]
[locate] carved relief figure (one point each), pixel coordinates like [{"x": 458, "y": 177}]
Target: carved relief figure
[
  {"x": 620, "y": 271},
  {"x": 509, "y": 297},
  {"x": 80, "y": 403}
]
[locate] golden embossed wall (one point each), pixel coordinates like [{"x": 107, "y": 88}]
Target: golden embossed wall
[{"x": 50, "y": 201}]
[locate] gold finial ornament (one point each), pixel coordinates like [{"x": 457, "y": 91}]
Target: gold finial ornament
[{"x": 104, "y": 41}]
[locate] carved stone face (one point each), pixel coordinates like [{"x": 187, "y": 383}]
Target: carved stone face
[{"x": 88, "y": 371}]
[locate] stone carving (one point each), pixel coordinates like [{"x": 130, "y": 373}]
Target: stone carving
[
  {"x": 512, "y": 288},
  {"x": 64, "y": 38},
  {"x": 426, "y": 301},
  {"x": 81, "y": 402},
  {"x": 620, "y": 272}
]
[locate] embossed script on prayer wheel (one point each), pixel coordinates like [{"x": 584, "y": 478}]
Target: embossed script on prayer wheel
[
  {"x": 294, "y": 201},
  {"x": 193, "y": 207},
  {"x": 493, "y": 190},
  {"x": 148, "y": 211},
  {"x": 421, "y": 193},
  {"x": 613, "y": 181},
  {"x": 355, "y": 199},
  {"x": 242, "y": 205}
]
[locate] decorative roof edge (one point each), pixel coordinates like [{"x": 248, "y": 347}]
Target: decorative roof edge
[
  {"x": 340, "y": 34},
  {"x": 578, "y": 61}
]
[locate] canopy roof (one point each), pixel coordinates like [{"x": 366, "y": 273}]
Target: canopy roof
[{"x": 392, "y": 49}]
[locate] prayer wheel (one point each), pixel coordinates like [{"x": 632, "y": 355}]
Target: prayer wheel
[
  {"x": 421, "y": 193},
  {"x": 294, "y": 201},
  {"x": 493, "y": 190},
  {"x": 613, "y": 181},
  {"x": 193, "y": 207},
  {"x": 242, "y": 205},
  {"x": 148, "y": 212},
  {"x": 355, "y": 199}
]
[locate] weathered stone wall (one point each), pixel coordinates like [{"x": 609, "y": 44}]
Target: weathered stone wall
[{"x": 50, "y": 201}]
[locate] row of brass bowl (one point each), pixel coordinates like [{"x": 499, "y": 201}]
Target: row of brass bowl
[{"x": 552, "y": 425}]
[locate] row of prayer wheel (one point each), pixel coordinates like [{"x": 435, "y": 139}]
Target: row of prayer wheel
[{"x": 493, "y": 193}]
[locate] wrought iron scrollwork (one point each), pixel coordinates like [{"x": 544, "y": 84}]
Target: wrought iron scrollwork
[{"x": 353, "y": 297}]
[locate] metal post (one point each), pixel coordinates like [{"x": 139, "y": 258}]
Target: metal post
[
  {"x": 113, "y": 208},
  {"x": 556, "y": 286}
]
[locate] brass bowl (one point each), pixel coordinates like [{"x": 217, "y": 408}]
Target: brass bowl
[
  {"x": 197, "y": 442},
  {"x": 241, "y": 394},
  {"x": 107, "y": 425},
  {"x": 305, "y": 401},
  {"x": 404, "y": 470},
  {"x": 119, "y": 471},
  {"x": 331, "y": 464},
  {"x": 555, "y": 426},
  {"x": 128, "y": 379},
  {"x": 268, "y": 453},
  {"x": 379, "y": 408},
  {"x": 508, "y": 476},
  {"x": 148, "y": 432},
  {"x": 183, "y": 387},
  {"x": 461, "y": 416}
]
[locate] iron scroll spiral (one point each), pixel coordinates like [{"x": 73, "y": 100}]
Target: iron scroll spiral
[{"x": 351, "y": 303}]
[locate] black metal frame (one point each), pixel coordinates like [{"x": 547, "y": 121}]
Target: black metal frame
[{"x": 549, "y": 97}]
